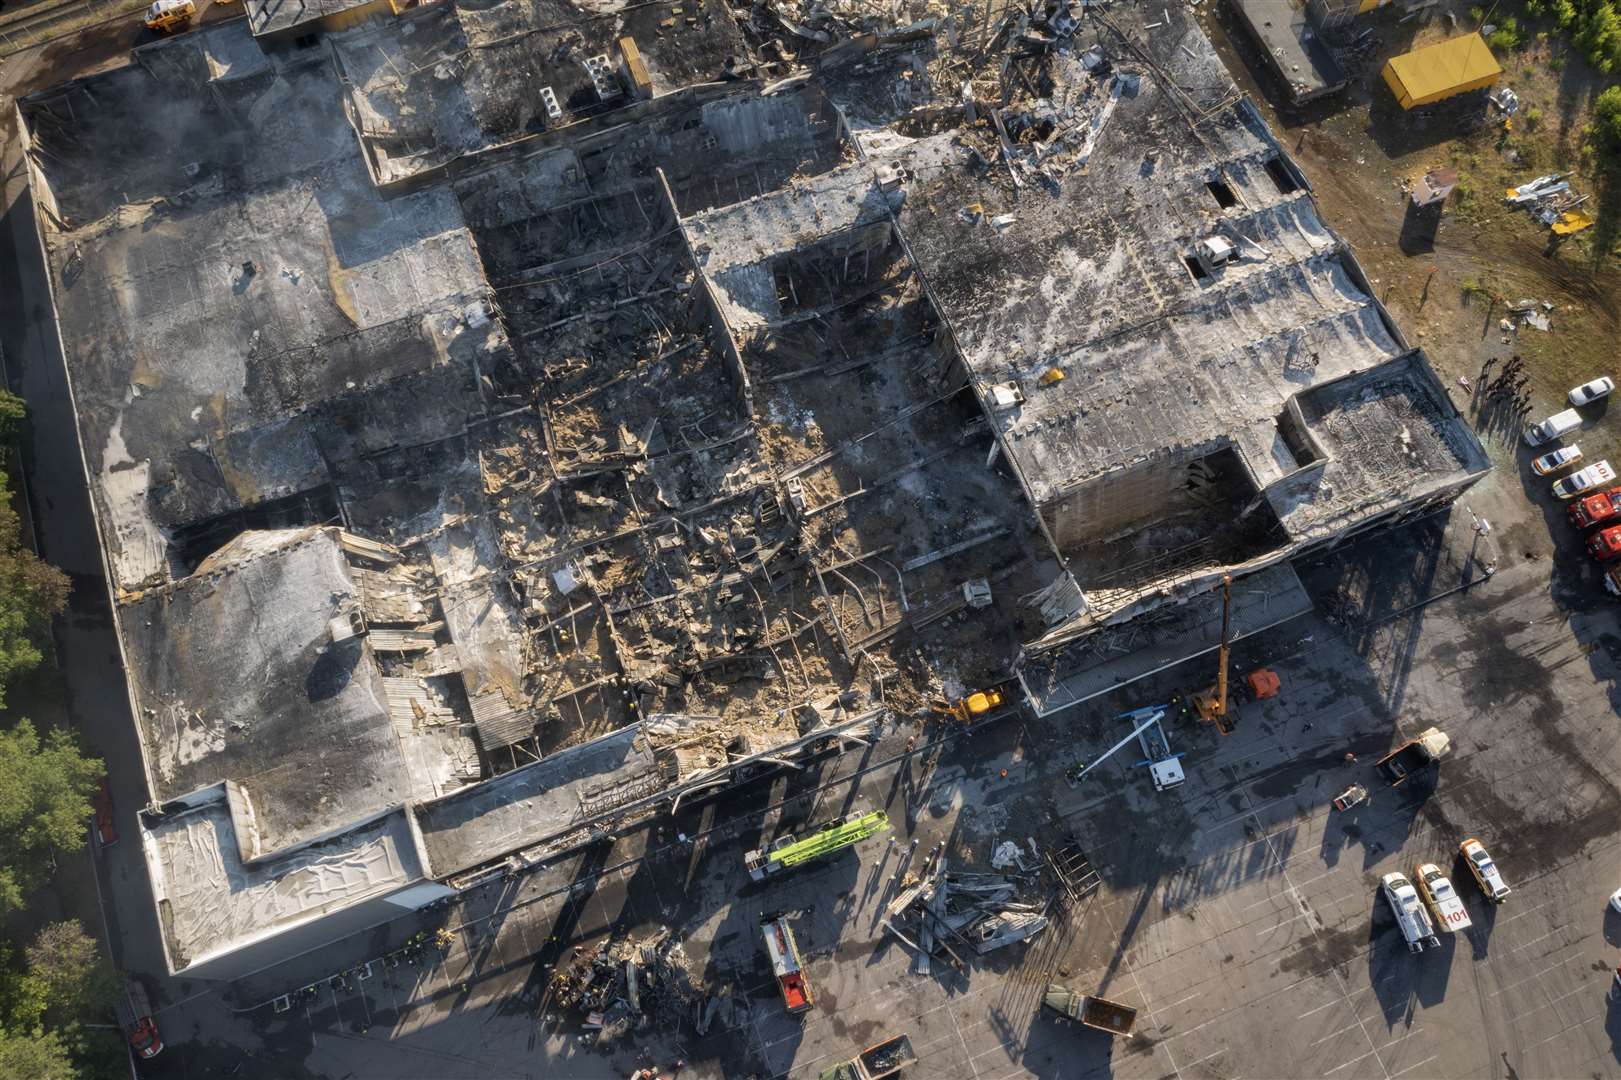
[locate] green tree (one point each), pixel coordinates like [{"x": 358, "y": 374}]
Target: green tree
[
  {"x": 32, "y": 593},
  {"x": 39, "y": 1055},
  {"x": 74, "y": 977},
  {"x": 12, "y": 411},
  {"x": 1607, "y": 121},
  {"x": 45, "y": 791}
]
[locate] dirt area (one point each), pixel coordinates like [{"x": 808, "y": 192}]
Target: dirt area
[{"x": 1359, "y": 149}]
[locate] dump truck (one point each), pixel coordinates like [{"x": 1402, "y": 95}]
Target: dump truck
[
  {"x": 1595, "y": 509},
  {"x": 1416, "y": 928},
  {"x": 785, "y": 963},
  {"x": 1089, "y": 1009},
  {"x": 790, "y": 851},
  {"x": 1414, "y": 756},
  {"x": 883, "y": 1059}
]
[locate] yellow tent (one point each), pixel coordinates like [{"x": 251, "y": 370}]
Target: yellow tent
[{"x": 1439, "y": 71}]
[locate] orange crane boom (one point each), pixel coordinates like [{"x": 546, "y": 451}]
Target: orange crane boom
[{"x": 1212, "y": 704}]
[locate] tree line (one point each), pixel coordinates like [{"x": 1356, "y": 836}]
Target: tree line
[{"x": 57, "y": 990}]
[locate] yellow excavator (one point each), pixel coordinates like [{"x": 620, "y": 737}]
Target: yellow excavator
[
  {"x": 968, "y": 709},
  {"x": 1212, "y": 704}
]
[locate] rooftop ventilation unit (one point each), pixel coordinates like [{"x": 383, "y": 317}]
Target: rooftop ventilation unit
[
  {"x": 548, "y": 98},
  {"x": 1214, "y": 252},
  {"x": 602, "y": 76}
]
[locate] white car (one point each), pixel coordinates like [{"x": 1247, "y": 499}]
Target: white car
[
  {"x": 1615, "y": 899},
  {"x": 1411, "y": 915},
  {"x": 1486, "y": 874},
  {"x": 1589, "y": 392},
  {"x": 1554, "y": 461},
  {"x": 1556, "y": 426},
  {"x": 1586, "y": 480}
]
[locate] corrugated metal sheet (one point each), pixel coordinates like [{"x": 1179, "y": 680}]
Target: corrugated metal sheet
[
  {"x": 368, "y": 549},
  {"x": 497, "y": 723},
  {"x": 1439, "y": 71},
  {"x": 389, "y": 597},
  {"x": 410, "y": 702},
  {"x": 401, "y": 641}
]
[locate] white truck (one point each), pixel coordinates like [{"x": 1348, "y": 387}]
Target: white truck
[
  {"x": 1443, "y": 900},
  {"x": 1416, "y": 928}
]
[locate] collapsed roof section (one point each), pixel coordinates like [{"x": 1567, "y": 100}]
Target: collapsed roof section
[
  {"x": 450, "y": 80},
  {"x": 1146, "y": 299},
  {"x": 566, "y": 469}
]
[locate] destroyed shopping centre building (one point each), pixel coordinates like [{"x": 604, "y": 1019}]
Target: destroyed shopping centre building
[{"x": 505, "y": 420}]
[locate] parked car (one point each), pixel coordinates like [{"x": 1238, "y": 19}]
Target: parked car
[
  {"x": 144, "y": 1037},
  {"x": 1441, "y": 898},
  {"x": 1411, "y": 915},
  {"x": 1615, "y": 899},
  {"x": 1556, "y": 426},
  {"x": 1585, "y": 480},
  {"x": 1556, "y": 460},
  {"x": 1484, "y": 870},
  {"x": 1589, "y": 392},
  {"x": 106, "y": 830}
]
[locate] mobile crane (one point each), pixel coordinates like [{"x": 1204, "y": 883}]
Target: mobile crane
[
  {"x": 1263, "y": 683},
  {"x": 1212, "y": 704}
]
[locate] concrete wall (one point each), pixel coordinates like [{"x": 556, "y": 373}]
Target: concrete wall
[{"x": 1121, "y": 501}]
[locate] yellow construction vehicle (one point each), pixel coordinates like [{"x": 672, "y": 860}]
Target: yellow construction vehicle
[
  {"x": 972, "y": 707},
  {"x": 1211, "y": 705},
  {"x": 167, "y": 16}
]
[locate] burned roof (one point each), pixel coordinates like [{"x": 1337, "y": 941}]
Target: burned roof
[
  {"x": 1079, "y": 291},
  {"x": 239, "y": 675},
  {"x": 473, "y": 475}
]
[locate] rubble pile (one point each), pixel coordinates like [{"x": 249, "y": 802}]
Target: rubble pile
[
  {"x": 954, "y": 913},
  {"x": 624, "y": 986}
]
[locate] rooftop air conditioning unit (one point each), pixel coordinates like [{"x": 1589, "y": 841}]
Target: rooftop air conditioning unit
[{"x": 1214, "y": 252}]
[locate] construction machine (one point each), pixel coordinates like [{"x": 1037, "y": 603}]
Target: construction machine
[
  {"x": 1262, "y": 683},
  {"x": 789, "y": 851},
  {"x": 975, "y": 705},
  {"x": 1211, "y": 705},
  {"x": 168, "y": 16}
]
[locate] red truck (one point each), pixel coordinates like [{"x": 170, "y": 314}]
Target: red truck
[
  {"x": 786, "y": 964},
  {"x": 1605, "y": 544},
  {"x": 1595, "y": 509}
]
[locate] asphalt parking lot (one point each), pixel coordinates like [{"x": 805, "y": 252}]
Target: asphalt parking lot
[{"x": 1239, "y": 912}]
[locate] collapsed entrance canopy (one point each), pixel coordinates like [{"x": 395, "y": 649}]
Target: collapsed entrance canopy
[{"x": 1439, "y": 71}]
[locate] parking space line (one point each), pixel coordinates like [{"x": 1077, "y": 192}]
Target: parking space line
[
  {"x": 1337, "y": 1034},
  {"x": 1353, "y": 1061},
  {"x": 1399, "y": 1038},
  {"x": 1528, "y": 978},
  {"x": 1562, "y": 997},
  {"x": 1339, "y": 980},
  {"x": 1544, "y": 937},
  {"x": 1410, "y": 1068},
  {"x": 1207, "y": 1057},
  {"x": 958, "y": 1029},
  {"x": 1320, "y": 1008},
  {"x": 1184, "y": 1000},
  {"x": 1527, "y": 911},
  {"x": 1564, "y": 1030},
  {"x": 1281, "y": 925}
]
